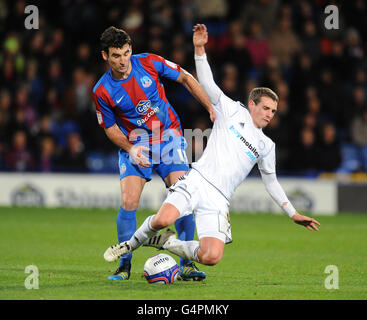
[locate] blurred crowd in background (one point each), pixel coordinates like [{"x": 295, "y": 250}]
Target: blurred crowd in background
[{"x": 47, "y": 115}]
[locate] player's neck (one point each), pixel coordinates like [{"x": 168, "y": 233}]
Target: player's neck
[{"x": 256, "y": 125}]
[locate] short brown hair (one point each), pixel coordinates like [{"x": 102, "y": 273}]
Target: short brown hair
[
  {"x": 115, "y": 38},
  {"x": 257, "y": 93}
]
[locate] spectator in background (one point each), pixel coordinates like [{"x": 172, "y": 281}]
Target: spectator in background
[
  {"x": 5, "y": 116},
  {"x": 249, "y": 84},
  {"x": 230, "y": 81},
  {"x": 5, "y": 124},
  {"x": 73, "y": 158},
  {"x": 263, "y": 11},
  {"x": 258, "y": 45},
  {"x": 311, "y": 41},
  {"x": 354, "y": 49},
  {"x": 359, "y": 102},
  {"x": 34, "y": 82},
  {"x": 37, "y": 45},
  {"x": 44, "y": 129},
  {"x": 303, "y": 11},
  {"x": 284, "y": 43},
  {"x": 358, "y": 129},
  {"x": 336, "y": 60},
  {"x": 19, "y": 122},
  {"x": 211, "y": 10},
  {"x": 55, "y": 45},
  {"x": 19, "y": 157},
  {"x": 81, "y": 90},
  {"x": 47, "y": 156},
  {"x": 303, "y": 75},
  {"x": 52, "y": 103},
  {"x": 304, "y": 154},
  {"x": 22, "y": 103},
  {"x": 83, "y": 58},
  {"x": 329, "y": 149},
  {"x": 13, "y": 61},
  {"x": 359, "y": 136},
  {"x": 236, "y": 53},
  {"x": 55, "y": 76},
  {"x": 279, "y": 128},
  {"x": 330, "y": 97}
]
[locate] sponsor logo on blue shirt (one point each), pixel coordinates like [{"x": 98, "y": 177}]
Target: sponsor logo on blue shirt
[{"x": 143, "y": 107}]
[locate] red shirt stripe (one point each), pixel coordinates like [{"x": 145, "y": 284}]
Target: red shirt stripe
[{"x": 136, "y": 95}]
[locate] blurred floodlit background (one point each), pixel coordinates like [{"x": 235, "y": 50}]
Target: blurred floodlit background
[{"x": 47, "y": 116}]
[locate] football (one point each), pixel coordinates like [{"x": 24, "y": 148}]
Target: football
[{"x": 161, "y": 269}]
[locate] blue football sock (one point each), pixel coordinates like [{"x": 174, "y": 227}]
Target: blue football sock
[
  {"x": 185, "y": 228},
  {"x": 126, "y": 227}
]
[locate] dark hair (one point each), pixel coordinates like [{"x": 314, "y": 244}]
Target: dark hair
[
  {"x": 113, "y": 37},
  {"x": 257, "y": 93}
]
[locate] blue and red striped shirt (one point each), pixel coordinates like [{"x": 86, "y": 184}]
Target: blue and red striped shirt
[{"x": 138, "y": 102}]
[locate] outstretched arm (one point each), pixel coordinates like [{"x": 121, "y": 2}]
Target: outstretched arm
[
  {"x": 205, "y": 76},
  {"x": 277, "y": 193},
  {"x": 191, "y": 84}
]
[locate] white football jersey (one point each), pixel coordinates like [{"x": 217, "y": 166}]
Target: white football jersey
[{"x": 234, "y": 146}]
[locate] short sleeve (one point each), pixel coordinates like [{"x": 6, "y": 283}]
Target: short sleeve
[
  {"x": 105, "y": 115},
  {"x": 165, "y": 68},
  {"x": 267, "y": 163}
]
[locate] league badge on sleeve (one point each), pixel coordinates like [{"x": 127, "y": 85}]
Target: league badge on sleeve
[
  {"x": 99, "y": 117},
  {"x": 171, "y": 64}
]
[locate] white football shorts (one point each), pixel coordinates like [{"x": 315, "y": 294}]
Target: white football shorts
[{"x": 192, "y": 193}]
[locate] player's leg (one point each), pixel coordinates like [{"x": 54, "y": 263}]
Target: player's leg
[
  {"x": 185, "y": 226},
  {"x": 174, "y": 165},
  {"x": 132, "y": 181},
  {"x": 210, "y": 251},
  {"x": 166, "y": 215},
  {"x": 131, "y": 189}
]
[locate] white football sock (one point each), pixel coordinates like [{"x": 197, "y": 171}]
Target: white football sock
[
  {"x": 144, "y": 233},
  {"x": 185, "y": 249}
]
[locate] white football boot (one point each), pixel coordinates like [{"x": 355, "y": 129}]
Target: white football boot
[{"x": 116, "y": 251}]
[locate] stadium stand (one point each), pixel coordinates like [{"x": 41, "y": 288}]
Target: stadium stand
[{"x": 47, "y": 75}]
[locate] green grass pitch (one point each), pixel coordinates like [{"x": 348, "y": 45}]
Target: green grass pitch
[{"x": 270, "y": 258}]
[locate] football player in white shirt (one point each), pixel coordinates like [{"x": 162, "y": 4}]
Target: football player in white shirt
[{"x": 235, "y": 145}]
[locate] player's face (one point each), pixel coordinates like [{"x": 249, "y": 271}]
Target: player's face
[
  {"x": 119, "y": 59},
  {"x": 263, "y": 112}
]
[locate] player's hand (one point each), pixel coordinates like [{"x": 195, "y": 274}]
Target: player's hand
[
  {"x": 200, "y": 37},
  {"x": 137, "y": 156},
  {"x": 307, "y": 222}
]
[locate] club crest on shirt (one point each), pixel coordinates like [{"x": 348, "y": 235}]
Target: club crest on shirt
[
  {"x": 143, "y": 106},
  {"x": 146, "y": 81}
]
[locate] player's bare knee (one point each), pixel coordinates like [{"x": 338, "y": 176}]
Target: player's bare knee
[
  {"x": 130, "y": 202},
  {"x": 160, "y": 222},
  {"x": 211, "y": 257}
]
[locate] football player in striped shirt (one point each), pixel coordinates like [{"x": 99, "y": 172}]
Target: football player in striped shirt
[{"x": 133, "y": 109}]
